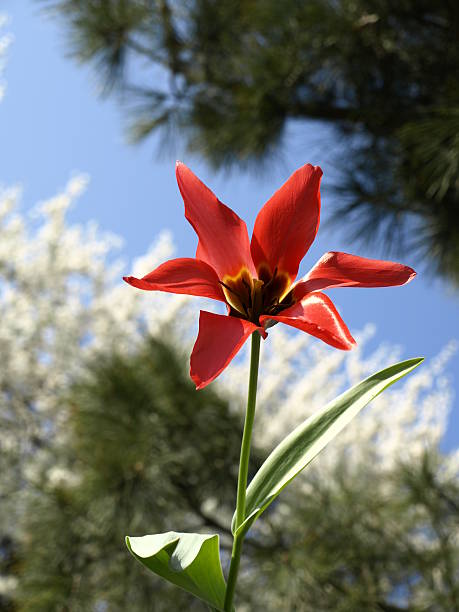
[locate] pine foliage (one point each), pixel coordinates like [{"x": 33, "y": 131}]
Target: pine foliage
[
  {"x": 146, "y": 453},
  {"x": 229, "y": 75}
]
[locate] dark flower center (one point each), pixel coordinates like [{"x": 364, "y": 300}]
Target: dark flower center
[{"x": 249, "y": 297}]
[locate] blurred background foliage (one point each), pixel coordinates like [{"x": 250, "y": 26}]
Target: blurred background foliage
[
  {"x": 146, "y": 452},
  {"x": 228, "y": 76},
  {"x": 101, "y": 431}
]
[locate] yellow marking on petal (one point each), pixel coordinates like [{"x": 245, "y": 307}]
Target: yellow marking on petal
[
  {"x": 288, "y": 284},
  {"x": 238, "y": 290}
]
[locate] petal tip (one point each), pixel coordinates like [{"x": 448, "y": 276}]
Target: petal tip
[
  {"x": 318, "y": 170},
  {"x": 351, "y": 342},
  {"x": 413, "y": 273},
  {"x": 312, "y": 170},
  {"x": 263, "y": 333},
  {"x": 199, "y": 384},
  {"x": 179, "y": 169},
  {"x": 345, "y": 344}
]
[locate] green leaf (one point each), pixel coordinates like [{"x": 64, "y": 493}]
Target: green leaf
[
  {"x": 305, "y": 442},
  {"x": 191, "y": 561}
]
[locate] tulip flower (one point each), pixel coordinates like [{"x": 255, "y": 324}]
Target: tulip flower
[{"x": 256, "y": 278}]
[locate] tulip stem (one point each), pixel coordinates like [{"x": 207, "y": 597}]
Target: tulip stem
[{"x": 243, "y": 472}]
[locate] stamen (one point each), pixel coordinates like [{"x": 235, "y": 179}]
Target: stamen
[
  {"x": 228, "y": 287},
  {"x": 270, "y": 280},
  {"x": 249, "y": 291}
]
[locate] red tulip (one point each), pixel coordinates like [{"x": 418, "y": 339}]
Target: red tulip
[{"x": 255, "y": 278}]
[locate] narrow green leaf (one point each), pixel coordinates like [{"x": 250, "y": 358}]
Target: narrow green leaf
[
  {"x": 191, "y": 561},
  {"x": 300, "y": 447}
]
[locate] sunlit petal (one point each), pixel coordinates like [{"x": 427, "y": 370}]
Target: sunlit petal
[
  {"x": 336, "y": 269},
  {"x": 223, "y": 239},
  {"x": 316, "y": 315},
  {"x": 219, "y": 340},
  {"x": 184, "y": 275},
  {"x": 287, "y": 224}
]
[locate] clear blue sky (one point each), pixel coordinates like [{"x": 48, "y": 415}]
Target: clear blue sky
[{"x": 52, "y": 123}]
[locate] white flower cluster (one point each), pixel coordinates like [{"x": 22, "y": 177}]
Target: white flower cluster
[{"x": 61, "y": 300}]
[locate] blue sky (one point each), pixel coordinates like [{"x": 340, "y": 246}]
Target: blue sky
[{"x": 53, "y": 124}]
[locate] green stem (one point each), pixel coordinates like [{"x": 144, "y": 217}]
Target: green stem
[{"x": 243, "y": 472}]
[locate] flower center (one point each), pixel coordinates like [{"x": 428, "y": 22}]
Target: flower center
[{"x": 250, "y": 297}]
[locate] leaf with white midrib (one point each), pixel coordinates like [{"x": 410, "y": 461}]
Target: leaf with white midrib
[{"x": 305, "y": 442}]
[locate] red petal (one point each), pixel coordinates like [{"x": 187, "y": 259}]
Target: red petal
[
  {"x": 223, "y": 238},
  {"x": 220, "y": 338},
  {"x": 317, "y": 315},
  {"x": 287, "y": 224},
  {"x": 184, "y": 275},
  {"x": 343, "y": 270}
]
